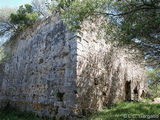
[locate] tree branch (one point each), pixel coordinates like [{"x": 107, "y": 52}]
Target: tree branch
[{"x": 141, "y": 7}]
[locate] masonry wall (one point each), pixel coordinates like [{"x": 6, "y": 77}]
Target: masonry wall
[
  {"x": 56, "y": 73},
  {"x": 41, "y": 75},
  {"x": 104, "y": 70}
]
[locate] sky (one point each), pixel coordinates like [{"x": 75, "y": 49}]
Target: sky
[{"x": 13, "y": 3}]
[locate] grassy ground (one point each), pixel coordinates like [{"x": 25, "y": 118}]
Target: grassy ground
[
  {"x": 129, "y": 111},
  {"x": 121, "y": 111}
]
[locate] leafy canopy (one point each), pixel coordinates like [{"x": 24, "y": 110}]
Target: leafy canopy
[
  {"x": 140, "y": 23},
  {"x": 137, "y": 21},
  {"x": 24, "y": 17}
]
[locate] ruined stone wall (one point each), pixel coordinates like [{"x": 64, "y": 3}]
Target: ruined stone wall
[
  {"x": 41, "y": 75},
  {"x": 103, "y": 71},
  {"x": 54, "y": 73}
]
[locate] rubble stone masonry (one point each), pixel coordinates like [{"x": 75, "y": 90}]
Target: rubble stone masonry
[{"x": 57, "y": 73}]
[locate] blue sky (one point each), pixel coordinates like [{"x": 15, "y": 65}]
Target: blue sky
[{"x": 13, "y": 3}]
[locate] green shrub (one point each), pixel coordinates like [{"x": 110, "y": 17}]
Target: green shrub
[
  {"x": 24, "y": 17},
  {"x": 154, "y": 83},
  {"x": 11, "y": 113}
]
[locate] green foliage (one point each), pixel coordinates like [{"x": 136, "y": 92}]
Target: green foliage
[
  {"x": 139, "y": 21},
  {"x": 134, "y": 20},
  {"x": 79, "y": 10},
  {"x": 116, "y": 112},
  {"x": 64, "y": 3},
  {"x": 127, "y": 111},
  {"x": 4, "y": 56},
  {"x": 24, "y": 17},
  {"x": 10, "y": 113},
  {"x": 154, "y": 85},
  {"x": 28, "y": 8},
  {"x": 154, "y": 74}
]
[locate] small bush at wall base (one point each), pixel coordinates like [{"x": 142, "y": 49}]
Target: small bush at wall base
[
  {"x": 10, "y": 113},
  {"x": 154, "y": 83}
]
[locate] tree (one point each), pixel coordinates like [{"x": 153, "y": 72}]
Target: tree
[
  {"x": 77, "y": 10},
  {"x": 24, "y": 17},
  {"x": 140, "y": 24},
  {"x": 5, "y": 24},
  {"x": 154, "y": 85},
  {"x": 42, "y": 7},
  {"x": 12, "y": 20},
  {"x": 137, "y": 22}
]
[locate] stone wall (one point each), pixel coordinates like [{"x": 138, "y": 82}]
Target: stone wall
[
  {"x": 103, "y": 71},
  {"x": 56, "y": 73},
  {"x": 41, "y": 75}
]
